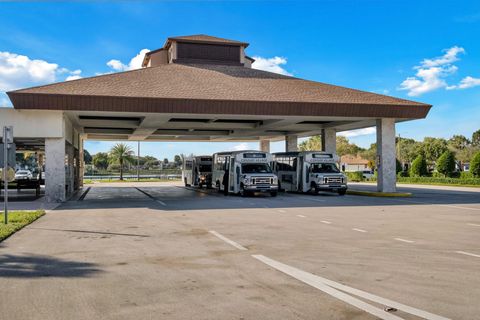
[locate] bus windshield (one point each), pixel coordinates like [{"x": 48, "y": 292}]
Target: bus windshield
[
  {"x": 256, "y": 168},
  {"x": 324, "y": 168},
  {"x": 205, "y": 168}
]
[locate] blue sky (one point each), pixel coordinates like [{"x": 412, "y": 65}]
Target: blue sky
[{"x": 431, "y": 49}]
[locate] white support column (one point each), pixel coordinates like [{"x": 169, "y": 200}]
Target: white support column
[
  {"x": 81, "y": 162},
  {"x": 291, "y": 143},
  {"x": 264, "y": 145},
  {"x": 329, "y": 140},
  {"x": 55, "y": 169},
  {"x": 386, "y": 156}
]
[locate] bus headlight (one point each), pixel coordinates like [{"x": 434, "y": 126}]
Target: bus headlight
[{"x": 246, "y": 180}]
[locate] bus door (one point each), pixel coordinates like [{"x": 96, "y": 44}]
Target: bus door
[
  {"x": 232, "y": 181},
  {"x": 301, "y": 173}
]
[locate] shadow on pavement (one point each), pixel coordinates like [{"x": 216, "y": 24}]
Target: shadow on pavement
[
  {"x": 173, "y": 198},
  {"x": 36, "y": 266}
]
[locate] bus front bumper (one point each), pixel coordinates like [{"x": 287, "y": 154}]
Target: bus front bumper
[{"x": 261, "y": 188}]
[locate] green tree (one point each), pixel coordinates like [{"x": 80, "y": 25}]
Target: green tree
[
  {"x": 314, "y": 143},
  {"x": 475, "y": 165},
  {"x": 458, "y": 142},
  {"x": 121, "y": 154},
  {"x": 178, "y": 160},
  {"x": 446, "y": 163},
  {"x": 345, "y": 147},
  {"x": 87, "y": 157},
  {"x": 476, "y": 138},
  {"x": 433, "y": 148},
  {"x": 419, "y": 167},
  {"x": 100, "y": 160},
  {"x": 407, "y": 149},
  {"x": 165, "y": 161}
]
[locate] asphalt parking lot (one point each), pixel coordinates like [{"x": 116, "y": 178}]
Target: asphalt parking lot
[{"x": 163, "y": 251}]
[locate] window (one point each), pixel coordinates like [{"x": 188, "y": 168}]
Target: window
[
  {"x": 205, "y": 168},
  {"x": 324, "y": 168},
  {"x": 256, "y": 168},
  {"x": 286, "y": 163},
  {"x": 188, "y": 165}
]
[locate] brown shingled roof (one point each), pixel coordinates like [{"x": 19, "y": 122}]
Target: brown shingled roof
[{"x": 213, "y": 89}]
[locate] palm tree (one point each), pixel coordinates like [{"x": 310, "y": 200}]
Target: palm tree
[{"x": 121, "y": 153}]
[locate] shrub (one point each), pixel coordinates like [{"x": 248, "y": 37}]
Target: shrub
[
  {"x": 475, "y": 165},
  {"x": 440, "y": 181},
  {"x": 419, "y": 167},
  {"x": 399, "y": 167},
  {"x": 466, "y": 175},
  {"x": 446, "y": 163},
  {"x": 356, "y": 176}
]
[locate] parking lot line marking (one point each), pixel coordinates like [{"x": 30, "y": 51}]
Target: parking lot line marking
[
  {"x": 468, "y": 254},
  {"x": 313, "y": 199},
  {"x": 474, "y": 224},
  {"x": 161, "y": 202},
  {"x": 301, "y": 216},
  {"x": 230, "y": 242},
  {"x": 323, "y": 284},
  {"x": 326, "y": 222},
  {"x": 404, "y": 240},
  {"x": 437, "y": 204},
  {"x": 282, "y": 211},
  {"x": 359, "y": 230}
]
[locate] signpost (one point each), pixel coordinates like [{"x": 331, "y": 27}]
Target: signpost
[{"x": 7, "y": 148}]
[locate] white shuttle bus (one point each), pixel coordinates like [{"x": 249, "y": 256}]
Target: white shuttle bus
[
  {"x": 309, "y": 171},
  {"x": 197, "y": 171},
  {"x": 244, "y": 172}
]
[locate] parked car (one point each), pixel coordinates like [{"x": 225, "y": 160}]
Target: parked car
[
  {"x": 367, "y": 174},
  {"x": 23, "y": 175}
]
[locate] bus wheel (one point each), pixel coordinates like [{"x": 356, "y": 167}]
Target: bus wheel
[
  {"x": 243, "y": 192},
  {"x": 342, "y": 192},
  {"x": 273, "y": 193},
  {"x": 185, "y": 181},
  {"x": 218, "y": 187}
]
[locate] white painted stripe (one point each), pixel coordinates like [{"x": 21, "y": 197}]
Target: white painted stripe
[
  {"x": 326, "y": 222},
  {"x": 359, "y": 230},
  {"x": 313, "y": 199},
  {"x": 301, "y": 216},
  {"x": 161, "y": 202},
  {"x": 474, "y": 224},
  {"x": 437, "y": 204},
  {"x": 315, "y": 280},
  {"x": 404, "y": 240},
  {"x": 468, "y": 254},
  {"x": 282, "y": 211},
  {"x": 230, "y": 242}
]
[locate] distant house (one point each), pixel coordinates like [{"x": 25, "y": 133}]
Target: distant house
[{"x": 353, "y": 163}]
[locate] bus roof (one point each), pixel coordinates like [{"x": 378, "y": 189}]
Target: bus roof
[{"x": 297, "y": 153}]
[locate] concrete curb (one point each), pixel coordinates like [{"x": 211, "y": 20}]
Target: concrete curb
[{"x": 379, "y": 194}]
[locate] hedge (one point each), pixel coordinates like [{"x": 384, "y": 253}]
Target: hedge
[
  {"x": 434, "y": 180},
  {"x": 355, "y": 176}
]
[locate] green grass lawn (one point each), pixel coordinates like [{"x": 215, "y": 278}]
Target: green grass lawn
[{"x": 16, "y": 221}]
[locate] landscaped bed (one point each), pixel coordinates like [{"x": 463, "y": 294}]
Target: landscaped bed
[{"x": 16, "y": 221}]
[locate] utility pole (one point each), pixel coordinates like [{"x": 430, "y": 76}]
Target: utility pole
[
  {"x": 7, "y": 140},
  {"x": 138, "y": 160}
]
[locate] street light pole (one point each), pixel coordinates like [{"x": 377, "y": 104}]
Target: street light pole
[{"x": 138, "y": 160}]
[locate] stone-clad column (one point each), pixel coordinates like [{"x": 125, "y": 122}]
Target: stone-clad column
[
  {"x": 291, "y": 143},
  {"x": 386, "y": 156},
  {"x": 329, "y": 140},
  {"x": 55, "y": 169},
  {"x": 264, "y": 145},
  {"x": 81, "y": 163}
]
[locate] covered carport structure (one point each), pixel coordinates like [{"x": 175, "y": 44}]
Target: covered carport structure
[{"x": 202, "y": 88}]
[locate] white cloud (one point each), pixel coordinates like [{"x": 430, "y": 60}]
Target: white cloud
[
  {"x": 19, "y": 71},
  {"x": 135, "y": 62},
  {"x": 465, "y": 83},
  {"x": 240, "y": 146},
  {"x": 431, "y": 73},
  {"x": 74, "y": 75},
  {"x": 449, "y": 57},
  {"x": 358, "y": 132},
  {"x": 271, "y": 65}
]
